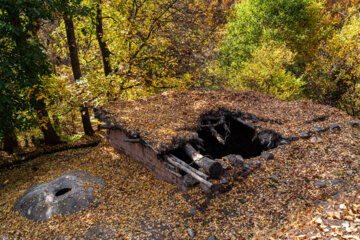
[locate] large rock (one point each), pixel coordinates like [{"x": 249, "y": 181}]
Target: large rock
[{"x": 64, "y": 195}]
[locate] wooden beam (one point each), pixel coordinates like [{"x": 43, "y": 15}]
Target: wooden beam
[
  {"x": 200, "y": 173},
  {"x": 208, "y": 185},
  {"x": 211, "y": 167}
]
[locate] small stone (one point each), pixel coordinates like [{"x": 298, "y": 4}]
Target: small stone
[
  {"x": 224, "y": 181},
  {"x": 190, "y": 232},
  {"x": 284, "y": 142},
  {"x": 258, "y": 163},
  {"x": 349, "y": 173},
  {"x": 267, "y": 155},
  {"x": 245, "y": 167},
  {"x": 193, "y": 211},
  {"x": 212, "y": 238},
  {"x": 337, "y": 195},
  {"x": 293, "y": 138},
  {"x": 354, "y": 123},
  {"x": 319, "y": 129},
  {"x": 235, "y": 160},
  {"x": 342, "y": 206},
  {"x": 304, "y": 135},
  {"x": 245, "y": 173},
  {"x": 334, "y": 126},
  {"x": 274, "y": 178},
  {"x": 320, "y": 184},
  {"x": 315, "y": 139},
  {"x": 254, "y": 163},
  {"x": 335, "y": 182}
]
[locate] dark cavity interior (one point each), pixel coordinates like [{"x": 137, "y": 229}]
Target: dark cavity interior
[
  {"x": 222, "y": 133},
  {"x": 62, "y": 191}
]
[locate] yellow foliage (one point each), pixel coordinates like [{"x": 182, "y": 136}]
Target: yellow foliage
[
  {"x": 267, "y": 72},
  {"x": 334, "y": 76}
]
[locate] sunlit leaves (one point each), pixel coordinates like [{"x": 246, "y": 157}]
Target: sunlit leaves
[
  {"x": 267, "y": 72},
  {"x": 335, "y": 73},
  {"x": 295, "y": 23}
]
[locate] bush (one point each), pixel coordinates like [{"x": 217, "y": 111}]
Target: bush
[
  {"x": 297, "y": 23},
  {"x": 334, "y": 77},
  {"x": 267, "y": 72}
]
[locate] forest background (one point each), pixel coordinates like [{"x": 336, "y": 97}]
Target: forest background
[{"x": 59, "y": 59}]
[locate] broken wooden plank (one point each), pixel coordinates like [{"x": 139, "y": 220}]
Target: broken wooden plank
[
  {"x": 201, "y": 174},
  {"x": 211, "y": 167},
  {"x": 145, "y": 155},
  {"x": 188, "y": 170}
]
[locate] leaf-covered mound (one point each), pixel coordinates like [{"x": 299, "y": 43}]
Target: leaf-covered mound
[
  {"x": 168, "y": 119},
  {"x": 134, "y": 205}
]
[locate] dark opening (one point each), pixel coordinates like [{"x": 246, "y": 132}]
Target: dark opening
[
  {"x": 62, "y": 191},
  {"x": 223, "y": 132},
  {"x": 238, "y": 139}
]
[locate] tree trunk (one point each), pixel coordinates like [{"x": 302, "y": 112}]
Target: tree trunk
[
  {"x": 46, "y": 127},
  {"x": 105, "y": 52},
  {"x": 10, "y": 141},
  {"x": 74, "y": 56}
]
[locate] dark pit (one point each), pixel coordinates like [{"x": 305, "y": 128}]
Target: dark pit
[
  {"x": 222, "y": 133},
  {"x": 62, "y": 191}
]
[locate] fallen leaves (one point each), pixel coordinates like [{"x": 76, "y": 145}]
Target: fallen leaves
[{"x": 137, "y": 206}]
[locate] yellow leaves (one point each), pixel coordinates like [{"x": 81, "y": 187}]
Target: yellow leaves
[{"x": 266, "y": 72}]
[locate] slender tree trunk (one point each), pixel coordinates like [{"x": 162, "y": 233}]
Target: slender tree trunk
[
  {"x": 10, "y": 141},
  {"x": 105, "y": 52},
  {"x": 50, "y": 135},
  {"x": 74, "y": 56}
]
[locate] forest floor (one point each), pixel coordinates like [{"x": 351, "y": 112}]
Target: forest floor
[{"x": 134, "y": 205}]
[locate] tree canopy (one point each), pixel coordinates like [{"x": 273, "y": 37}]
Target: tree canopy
[{"x": 130, "y": 49}]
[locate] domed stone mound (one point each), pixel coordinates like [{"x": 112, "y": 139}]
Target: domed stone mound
[{"x": 64, "y": 195}]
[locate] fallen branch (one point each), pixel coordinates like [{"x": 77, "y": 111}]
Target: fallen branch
[{"x": 25, "y": 157}]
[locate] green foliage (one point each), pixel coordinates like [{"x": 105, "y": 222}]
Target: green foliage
[
  {"x": 267, "y": 72},
  {"x": 295, "y": 23},
  {"x": 333, "y": 78},
  {"x": 22, "y": 61}
]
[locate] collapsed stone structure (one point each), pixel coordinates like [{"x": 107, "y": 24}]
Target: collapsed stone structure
[{"x": 189, "y": 138}]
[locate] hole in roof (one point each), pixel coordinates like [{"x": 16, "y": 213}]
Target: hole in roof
[{"x": 223, "y": 133}]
